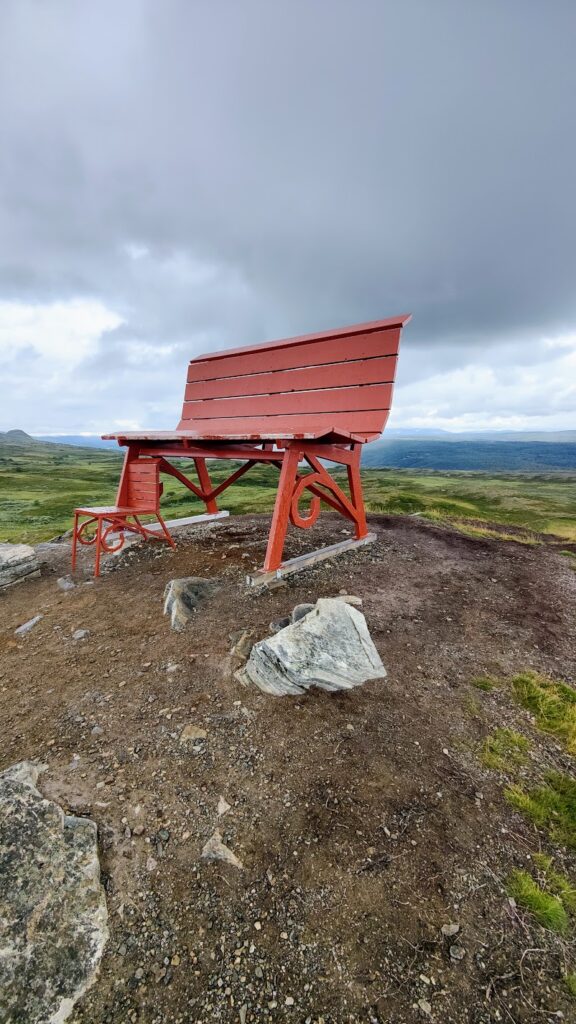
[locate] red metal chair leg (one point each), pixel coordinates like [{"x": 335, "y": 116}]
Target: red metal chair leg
[
  {"x": 166, "y": 531},
  {"x": 98, "y": 546},
  {"x": 281, "y": 513}
]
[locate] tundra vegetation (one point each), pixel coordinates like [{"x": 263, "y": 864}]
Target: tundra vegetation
[{"x": 41, "y": 483}]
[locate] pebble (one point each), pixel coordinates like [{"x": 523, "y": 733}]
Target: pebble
[
  {"x": 80, "y": 634},
  {"x": 425, "y": 1006},
  {"x": 289, "y": 1001},
  {"x": 257, "y": 925},
  {"x": 450, "y": 929}
]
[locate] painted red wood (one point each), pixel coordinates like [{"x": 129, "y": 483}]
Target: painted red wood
[
  {"x": 290, "y": 426},
  {"x": 331, "y": 375},
  {"x": 320, "y": 395},
  {"x": 288, "y": 357},
  {"x": 328, "y": 400},
  {"x": 302, "y": 339}
]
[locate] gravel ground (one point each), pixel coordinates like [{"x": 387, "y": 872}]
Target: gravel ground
[{"x": 364, "y": 821}]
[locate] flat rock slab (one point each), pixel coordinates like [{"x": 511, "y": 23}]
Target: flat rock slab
[
  {"x": 53, "y": 917},
  {"x": 17, "y": 562},
  {"x": 183, "y": 596},
  {"x": 329, "y": 647}
]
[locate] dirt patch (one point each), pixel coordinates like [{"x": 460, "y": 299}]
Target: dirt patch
[{"x": 364, "y": 820}]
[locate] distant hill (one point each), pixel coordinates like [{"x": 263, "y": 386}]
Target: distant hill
[
  {"x": 78, "y": 440},
  {"x": 17, "y": 437},
  {"x": 510, "y": 436}
]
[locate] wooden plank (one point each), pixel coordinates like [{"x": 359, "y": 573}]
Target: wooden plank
[
  {"x": 380, "y": 370},
  {"x": 176, "y": 524},
  {"x": 262, "y": 579},
  {"x": 286, "y": 357},
  {"x": 297, "y": 426},
  {"x": 302, "y": 339},
  {"x": 372, "y": 396}
]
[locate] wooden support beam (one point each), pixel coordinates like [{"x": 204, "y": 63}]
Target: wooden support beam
[{"x": 261, "y": 578}]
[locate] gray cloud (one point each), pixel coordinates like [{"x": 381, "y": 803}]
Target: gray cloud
[{"x": 219, "y": 172}]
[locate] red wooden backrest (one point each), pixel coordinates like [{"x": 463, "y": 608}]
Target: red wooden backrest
[
  {"x": 140, "y": 487},
  {"x": 318, "y": 384}
]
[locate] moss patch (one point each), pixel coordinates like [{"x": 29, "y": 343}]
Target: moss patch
[
  {"x": 547, "y": 909},
  {"x": 504, "y": 748}
]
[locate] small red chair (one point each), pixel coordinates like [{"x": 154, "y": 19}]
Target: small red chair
[{"x": 139, "y": 494}]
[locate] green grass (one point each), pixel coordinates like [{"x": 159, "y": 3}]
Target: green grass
[
  {"x": 570, "y": 981},
  {"x": 556, "y": 882},
  {"x": 552, "y": 703},
  {"x": 546, "y": 908},
  {"x": 484, "y": 683},
  {"x": 504, "y": 749},
  {"x": 551, "y": 806},
  {"x": 41, "y": 484}
]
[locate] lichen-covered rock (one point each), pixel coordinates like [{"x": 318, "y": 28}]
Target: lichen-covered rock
[
  {"x": 182, "y": 597},
  {"x": 329, "y": 647},
  {"x": 53, "y": 917},
  {"x": 17, "y": 562}
]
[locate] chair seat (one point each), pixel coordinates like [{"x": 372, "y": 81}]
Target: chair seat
[{"x": 115, "y": 510}]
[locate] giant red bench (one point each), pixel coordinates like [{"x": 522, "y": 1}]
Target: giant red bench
[{"x": 301, "y": 400}]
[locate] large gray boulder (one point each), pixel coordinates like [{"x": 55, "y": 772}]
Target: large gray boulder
[
  {"x": 53, "y": 918},
  {"x": 329, "y": 647},
  {"x": 17, "y": 562},
  {"x": 182, "y": 597}
]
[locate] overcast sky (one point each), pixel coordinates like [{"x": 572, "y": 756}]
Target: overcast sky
[{"x": 186, "y": 175}]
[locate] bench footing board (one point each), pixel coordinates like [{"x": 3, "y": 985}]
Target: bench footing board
[{"x": 262, "y": 578}]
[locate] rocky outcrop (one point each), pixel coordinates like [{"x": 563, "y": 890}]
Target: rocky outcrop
[
  {"x": 329, "y": 647},
  {"x": 17, "y": 562},
  {"x": 53, "y": 918},
  {"x": 182, "y": 597}
]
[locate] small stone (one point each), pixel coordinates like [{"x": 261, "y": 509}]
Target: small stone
[
  {"x": 138, "y": 830},
  {"x": 223, "y": 807},
  {"x": 65, "y": 583},
  {"x": 183, "y": 596},
  {"x": 300, "y": 611},
  {"x": 215, "y": 849},
  {"x": 450, "y": 929},
  {"x": 457, "y": 952},
  {"x": 259, "y": 972},
  {"x": 257, "y": 926},
  {"x": 289, "y": 1001},
  {"x": 97, "y": 730},
  {"x": 80, "y": 634},
  {"x": 27, "y": 626},
  {"x": 151, "y": 864},
  {"x": 175, "y": 960},
  {"x": 242, "y": 1014},
  {"x": 279, "y": 624},
  {"x": 191, "y": 733},
  {"x": 139, "y": 973},
  {"x": 425, "y": 1006}
]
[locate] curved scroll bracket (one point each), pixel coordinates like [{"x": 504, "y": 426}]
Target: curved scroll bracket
[{"x": 296, "y": 517}]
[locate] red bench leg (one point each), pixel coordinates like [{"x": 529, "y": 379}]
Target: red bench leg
[
  {"x": 205, "y": 484},
  {"x": 281, "y": 512},
  {"x": 355, "y": 485}
]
